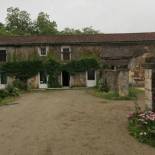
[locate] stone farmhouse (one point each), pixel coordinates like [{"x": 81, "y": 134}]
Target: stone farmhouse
[{"x": 120, "y": 51}]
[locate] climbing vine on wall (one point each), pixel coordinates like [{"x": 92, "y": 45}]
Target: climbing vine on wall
[
  {"x": 81, "y": 65},
  {"x": 23, "y": 70},
  {"x": 53, "y": 69}
]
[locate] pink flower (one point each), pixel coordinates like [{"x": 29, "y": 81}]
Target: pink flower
[{"x": 130, "y": 115}]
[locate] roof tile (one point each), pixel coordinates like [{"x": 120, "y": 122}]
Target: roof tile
[{"x": 58, "y": 39}]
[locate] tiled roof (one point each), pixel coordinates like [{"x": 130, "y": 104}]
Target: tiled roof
[{"x": 76, "y": 39}]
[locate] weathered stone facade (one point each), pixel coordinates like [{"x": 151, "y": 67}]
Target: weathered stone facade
[
  {"x": 54, "y": 52},
  {"x": 125, "y": 48},
  {"x": 118, "y": 80},
  {"x": 78, "y": 80},
  {"x": 123, "y": 82},
  {"x": 33, "y": 82},
  {"x": 77, "y": 52}
]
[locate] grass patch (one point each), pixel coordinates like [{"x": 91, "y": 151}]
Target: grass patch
[
  {"x": 111, "y": 95},
  {"x": 7, "y": 101}
]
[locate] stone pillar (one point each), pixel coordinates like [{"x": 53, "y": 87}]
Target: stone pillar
[
  {"x": 148, "y": 88},
  {"x": 118, "y": 81},
  {"x": 150, "y": 83},
  {"x": 123, "y": 82}
]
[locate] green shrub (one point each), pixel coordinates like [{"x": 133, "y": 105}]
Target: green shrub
[
  {"x": 132, "y": 92},
  {"x": 112, "y": 95},
  {"x": 102, "y": 85},
  {"x": 20, "y": 84},
  {"x": 53, "y": 81},
  {"x": 12, "y": 91},
  {"x": 3, "y": 94}
]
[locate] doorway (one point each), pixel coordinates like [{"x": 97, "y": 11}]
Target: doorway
[
  {"x": 43, "y": 80},
  {"x": 65, "y": 79}
]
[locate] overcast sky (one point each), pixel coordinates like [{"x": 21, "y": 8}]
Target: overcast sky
[{"x": 108, "y": 16}]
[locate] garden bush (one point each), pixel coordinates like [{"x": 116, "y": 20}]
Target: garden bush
[
  {"x": 20, "y": 84},
  {"x": 142, "y": 126},
  {"x": 3, "y": 94},
  {"x": 12, "y": 91},
  {"x": 102, "y": 85}
]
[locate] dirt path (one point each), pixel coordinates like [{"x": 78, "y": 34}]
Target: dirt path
[{"x": 68, "y": 122}]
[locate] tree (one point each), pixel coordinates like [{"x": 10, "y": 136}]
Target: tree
[
  {"x": 86, "y": 30},
  {"x": 18, "y": 22},
  {"x": 69, "y": 31},
  {"x": 3, "y": 31},
  {"x": 1, "y": 25},
  {"x": 44, "y": 26},
  {"x": 89, "y": 30}
]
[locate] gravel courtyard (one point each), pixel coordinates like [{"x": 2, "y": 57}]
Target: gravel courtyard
[{"x": 70, "y": 122}]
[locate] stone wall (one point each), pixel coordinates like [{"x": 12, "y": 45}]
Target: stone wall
[
  {"x": 31, "y": 53},
  {"x": 123, "y": 82},
  {"x": 78, "y": 80},
  {"x": 118, "y": 81},
  {"x": 111, "y": 79},
  {"x": 33, "y": 82},
  {"x": 79, "y": 51}
]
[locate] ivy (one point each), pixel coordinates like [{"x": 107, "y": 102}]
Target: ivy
[
  {"x": 53, "y": 69},
  {"x": 23, "y": 70},
  {"x": 82, "y": 65}
]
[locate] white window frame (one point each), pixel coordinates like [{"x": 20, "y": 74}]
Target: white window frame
[
  {"x": 91, "y": 83},
  {"x": 39, "y": 50},
  {"x": 70, "y": 55},
  {"x": 43, "y": 85},
  {"x": 1, "y": 48}
]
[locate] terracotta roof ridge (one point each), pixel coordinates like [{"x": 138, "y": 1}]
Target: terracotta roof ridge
[
  {"x": 82, "y": 34},
  {"x": 78, "y": 35}
]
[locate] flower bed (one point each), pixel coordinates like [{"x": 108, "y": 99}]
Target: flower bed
[{"x": 142, "y": 126}]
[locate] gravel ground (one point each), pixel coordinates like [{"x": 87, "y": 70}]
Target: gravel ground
[{"x": 70, "y": 122}]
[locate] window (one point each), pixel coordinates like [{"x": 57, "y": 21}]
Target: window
[
  {"x": 43, "y": 51},
  {"x": 65, "y": 53},
  {"x": 3, "y": 55},
  {"x": 91, "y": 74},
  {"x": 3, "y": 78}
]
